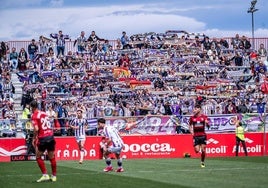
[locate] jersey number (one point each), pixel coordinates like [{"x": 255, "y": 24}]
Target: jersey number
[{"x": 45, "y": 123}]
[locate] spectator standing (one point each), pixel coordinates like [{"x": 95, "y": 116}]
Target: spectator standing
[
  {"x": 43, "y": 140},
  {"x": 262, "y": 52},
  {"x": 125, "y": 40},
  {"x": 242, "y": 108},
  {"x": 94, "y": 40},
  {"x": 124, "y": 61},
  {"x": 26, "y": 112},
  {"x": 44, "y": 44},
  {"x": 52, "y": 115},
  {"x": 230, "y": 108},
  {"x": 236, "y": 41},
  {"x": 112, "y": 143},
  {"x": 62, "y": 114},
  {"x": 240, "y": 137},
  {"x": 261, "y": 70},
  {"x": 32, "y": 49},
  {"x": 13, "y": 58},
  {"x": 206, "y": 43},
  {"x": 3, "y": 50},
  {"x": 197, "y": 124},
  {"x": 224, "y": 44},
  {"x": 238, "y": 59},
  {"x": 168, "y": 108},
  {"x": 79, "y": 126},
  {"x": 37, "y": 97},
  {"x": 23, "y": 58},
  {"x": 244, "y": 43},
  {"x": 81, "y": 42},
  {"x": 260, "y": 106},
  {"x": 106, "y": 46},
  {"x": 60, "y": 41}
]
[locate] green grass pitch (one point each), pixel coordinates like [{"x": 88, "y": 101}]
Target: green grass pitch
[{"x": 231, "y": 172}]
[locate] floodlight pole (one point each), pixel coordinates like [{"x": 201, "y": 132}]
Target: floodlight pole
[{"x": 251, "y": 10}]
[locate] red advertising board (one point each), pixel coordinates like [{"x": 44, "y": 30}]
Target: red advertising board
[
  {"x": 160, "y": 146},
  {"x": 223, "y": 145},
  {"x": 11, "y": 146}
]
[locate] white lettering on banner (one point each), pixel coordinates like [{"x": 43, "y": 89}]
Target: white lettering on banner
[
  {"x": 221, "y": 149},
  {"x": 75, "y": 153},
  {"x": 155, "y": 121},
  {"x": 254, "y": 149},
  {"x": 155, "y": 147}
]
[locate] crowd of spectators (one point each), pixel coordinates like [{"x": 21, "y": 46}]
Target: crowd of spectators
[{"x": 151, "y": 73}]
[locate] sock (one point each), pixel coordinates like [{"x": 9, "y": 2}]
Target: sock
[
  {"x": 41, "y": 165},
  {"x": 203, "y": 155},
  {"x": 236, "y": 150},
  {"x": 245, "y": 149},
  {"x": 119, "y": 163},
  {"x": 108, "y": 162},
  {"x": 53, "y": 166},
  {"x": 82, "y": 153}
]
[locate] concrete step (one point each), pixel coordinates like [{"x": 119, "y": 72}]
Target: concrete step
[{"x": 18, "y": 95}]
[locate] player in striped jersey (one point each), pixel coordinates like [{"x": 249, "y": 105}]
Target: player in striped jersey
[
  {"x": 79, "y": 126},
  {"x": 112, "y": 143}
]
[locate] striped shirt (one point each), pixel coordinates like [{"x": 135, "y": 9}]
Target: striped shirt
[
  {"x": 81, "y": 124},
  {"x": 112, "y": 133}
]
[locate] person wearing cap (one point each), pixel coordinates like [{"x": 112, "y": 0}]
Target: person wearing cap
[
  {"x": 240, "y": 138},
  {"x": 197, "y": 124},
  {"x": 79, "y": 126}
]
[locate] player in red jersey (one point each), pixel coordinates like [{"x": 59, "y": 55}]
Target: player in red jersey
[
  {"x": 197, "y": 124},
  {"x": 43, "y": 140}
]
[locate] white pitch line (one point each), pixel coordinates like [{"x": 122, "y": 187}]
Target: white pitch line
[
  {"x": 207, "y": 168},
  {"x": 60, "y": 174}
]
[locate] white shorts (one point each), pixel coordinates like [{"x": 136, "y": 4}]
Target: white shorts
[
  {"x": 80, "y": 138},
  {"x": 116, "y": 150}
]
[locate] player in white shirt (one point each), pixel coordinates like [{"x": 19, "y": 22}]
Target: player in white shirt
[
  {"x": 112, "y": 143},
  {"x": 79, "y": 125}
]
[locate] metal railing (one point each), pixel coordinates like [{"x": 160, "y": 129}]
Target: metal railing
[{"x": 69, "y": 45}]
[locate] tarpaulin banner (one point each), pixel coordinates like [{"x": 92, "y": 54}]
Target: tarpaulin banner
[{"x": 143, "y": 146}]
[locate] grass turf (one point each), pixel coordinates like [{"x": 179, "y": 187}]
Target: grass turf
[{"x": 231, "y": 172}]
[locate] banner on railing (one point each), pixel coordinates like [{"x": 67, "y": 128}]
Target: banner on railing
[
  {"x": 156, "y": 125},
  {"x": 143, "y": 125},
  {"x": 218, "y": 123}
]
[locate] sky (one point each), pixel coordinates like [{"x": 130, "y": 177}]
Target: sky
[{"x": 28, "y": 19}]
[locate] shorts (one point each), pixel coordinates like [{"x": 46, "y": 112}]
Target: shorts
[
  {"x": 47, "y": 143},
  {"x": 238, "y": 140},
  {"x": 200, "y": 140},
  {"x": 80, "y": 138},
  {"x": 113, "y": 149}
]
